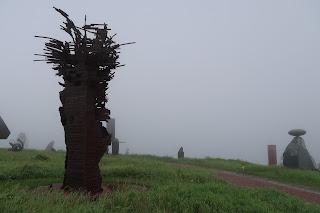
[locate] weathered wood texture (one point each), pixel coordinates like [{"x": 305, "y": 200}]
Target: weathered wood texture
[{"x": 86, "y": 66}]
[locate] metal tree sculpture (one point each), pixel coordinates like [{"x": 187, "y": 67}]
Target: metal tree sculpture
[{"x": 86, "y": 66}]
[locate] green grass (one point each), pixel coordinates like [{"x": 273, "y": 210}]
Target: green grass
[
  {"x": 307, "y": 178},
  {"x": 171, "y": 189}
]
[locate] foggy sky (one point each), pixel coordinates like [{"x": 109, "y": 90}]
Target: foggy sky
[{"x": 219, "y": 78}]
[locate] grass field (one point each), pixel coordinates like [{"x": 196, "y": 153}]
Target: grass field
[
  {"x": 171, "y": 189},
  {"x": 306, "y": 178}
]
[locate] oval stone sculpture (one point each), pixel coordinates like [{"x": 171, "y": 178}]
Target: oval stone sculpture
[{"x": 297, "y": 132}]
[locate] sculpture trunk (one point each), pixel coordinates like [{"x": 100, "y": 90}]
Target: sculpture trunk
[{"x": 84, "y": 142}]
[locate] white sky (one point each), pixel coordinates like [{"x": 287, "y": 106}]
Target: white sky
[{"x": 219, "y": 78}]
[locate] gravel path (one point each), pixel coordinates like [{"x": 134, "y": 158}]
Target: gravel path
[{"x": 305, "y": 194}]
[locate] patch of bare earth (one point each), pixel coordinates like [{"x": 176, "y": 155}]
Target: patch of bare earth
[{"x": 308, "y": 195}]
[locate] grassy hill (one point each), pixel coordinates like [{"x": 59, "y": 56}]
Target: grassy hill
[
  {"x": 171, "y": 189},
  {"x": 306, "y": 178}
]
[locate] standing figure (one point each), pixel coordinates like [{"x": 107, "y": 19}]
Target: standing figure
[{"x": 181, "y": 153}]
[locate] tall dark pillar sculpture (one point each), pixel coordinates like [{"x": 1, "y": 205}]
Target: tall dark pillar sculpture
[
  {"x": 86, "y": 66},
  {"x": 272, "y": 155},
  {"x": 111, "y": 127}
]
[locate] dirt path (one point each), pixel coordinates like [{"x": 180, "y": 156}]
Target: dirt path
[{"x": 305, "y": 194}]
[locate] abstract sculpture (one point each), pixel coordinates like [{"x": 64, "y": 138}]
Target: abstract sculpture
[
  {"x": 19, "y": 144},
  {"x": 4, "y": 131},
  {"x": 296, "y": 154},
  {"x": 50, "y": 148},
  {"x": 86, "y": 66}
]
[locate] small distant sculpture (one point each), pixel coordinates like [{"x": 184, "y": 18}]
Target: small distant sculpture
[
  {"x": 115, "y": 146},
  {"x": 296, "y": 154},
  {"x": 114, "y": 141},
  {"x": 181, "y": 153},
  {"x": 272, "y": 155},
  {"x": 19, "y": 144},
  {"x": 111, "y": 128},
  {"x": 242, "y": 166},
  {"x": 50, "y": 148},
  {"x": 4, "y": 131}
]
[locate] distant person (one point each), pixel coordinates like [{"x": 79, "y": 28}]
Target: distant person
[{"x": 181, "y": 153}]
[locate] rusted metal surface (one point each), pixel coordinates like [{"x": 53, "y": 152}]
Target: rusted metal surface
[
  {"x": 86, "y": 66},
  {"x": 272, "y": 155}
]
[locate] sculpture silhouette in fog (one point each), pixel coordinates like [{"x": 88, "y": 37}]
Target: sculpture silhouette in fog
[
  {"x": 181, "y": 153},
  {"x": 50, "y": 148},
  {"x": 18, "y": 145},
  {"x": 4, "y": 131},
  {"x": 111, "y": 128}
]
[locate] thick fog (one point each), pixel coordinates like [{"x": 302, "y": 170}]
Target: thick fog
[{"x": 219, "y": 78}]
